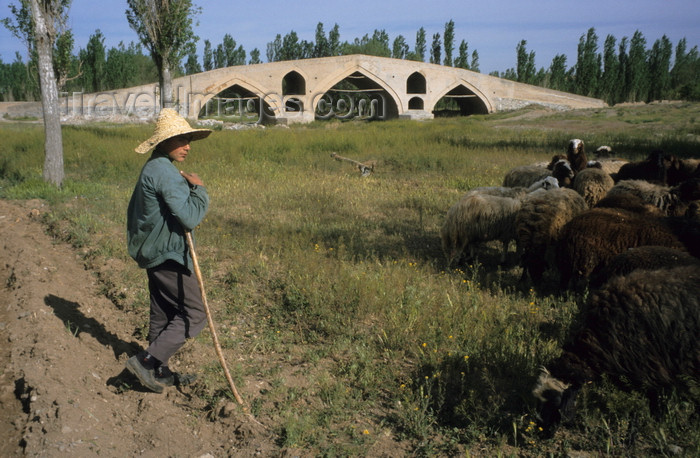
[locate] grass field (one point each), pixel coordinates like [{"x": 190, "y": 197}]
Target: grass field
[{"x": 305, "y": 259}]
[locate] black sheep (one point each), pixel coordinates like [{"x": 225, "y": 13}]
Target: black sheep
[
  {"x": 640, "y": 331},
  {"x": 654, "y": 168}
]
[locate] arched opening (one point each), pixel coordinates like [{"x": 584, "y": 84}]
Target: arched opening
[
  {"x": 293, "y": 84},
  {"x": 460, "y": 101},
  {"x": 416, "y": 103},
  {"x": 237, "y": 104},
  {"x": 356, "y": 97},
  {"x": 415, "y": 84}
]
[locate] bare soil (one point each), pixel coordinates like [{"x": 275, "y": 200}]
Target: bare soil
[{"x": 64, "y": 389}]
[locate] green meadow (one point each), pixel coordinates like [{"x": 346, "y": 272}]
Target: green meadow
[{"x": 332, "y": 288}]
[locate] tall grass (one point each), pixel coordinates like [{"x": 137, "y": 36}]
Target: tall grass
[{"x": 335, "y": 287}]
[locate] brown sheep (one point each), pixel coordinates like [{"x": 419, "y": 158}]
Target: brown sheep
[
  {"x": 647, "y": 257},
  {"x": 593, "y": 184},
  {"x": 640, "y": 331},
  {"x": 538, "y": 224},
  {"x": 593, "y": 237},
  {"x": 576, "y": 155}
]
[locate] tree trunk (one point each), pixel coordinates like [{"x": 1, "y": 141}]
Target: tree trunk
[
  {"x": 53, "y": 143},
  {"x": 166, "y": 85}
]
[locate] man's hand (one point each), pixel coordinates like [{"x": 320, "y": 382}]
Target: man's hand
[{"x": 192, "y": 178}]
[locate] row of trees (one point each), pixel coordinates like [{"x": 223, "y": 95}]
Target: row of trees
[
  {"x": 96, "y": 68},
  {"x": 626, "y": 71},
  {"x": 379, "y": 43}
]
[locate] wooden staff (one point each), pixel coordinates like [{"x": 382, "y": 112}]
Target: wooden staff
[
  {"x": 365, "y": 168},
  {"x": 220, "y": 353}
]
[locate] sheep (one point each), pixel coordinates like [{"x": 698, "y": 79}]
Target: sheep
[
  {"x": 628, "y": 201},
  {"x": 682, "y": 170},
  {"x": 639, "y": 331},
  {"x": 603, "y": 157},
  {"x": 593, "y": 184},
  {"x": 547, "y": 182},
  {"x": 672, "y": 201},
  {"x": 563, "y": 172},
  {"x": 525, "y": 175},
  {"x": 593, "y": 237},
  {"x": 482, "y": 216},
  {"x": 576, "y": 155},
  {"x": 654, "y": 168},
  {"x": 609, "y": 166},
  {"x": 648, "y": 257},
  {"x": 538, "y": 224}
]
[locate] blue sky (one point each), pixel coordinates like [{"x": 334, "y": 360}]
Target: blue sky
[{"x": 492, "y": 27}]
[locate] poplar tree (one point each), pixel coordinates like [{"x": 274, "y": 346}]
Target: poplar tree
[
  {"x": 610, "y": 81},
  {"x": 587, "y": 64},
  {"x": 436, "y": 50},
  {"x": 38, "y": 23},
  {"x": 462, "y": 60},
  {"x": 474, "y": 66},
  {"x": 94, "y": 59},
  {"x": 557, "y": 73},
  {"x": 334, "y": 41},
  {"x": 165, "y": 29},
  {"x": 449, "y": 42},
  {"x": 321, "y": 45},
  {"x": 659, "y": 69},
  {"x": 400, "y": 48},
  {"x": 637, "y": 69},
  {"x": 208, "y": 56},
  {"x": 255, "y": 57},
  {"x": 420, "y": 45},
  {"x": 525, "y": 69}
]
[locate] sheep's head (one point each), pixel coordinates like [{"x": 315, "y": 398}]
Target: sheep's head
[
  {"x": 603, "y": 151},
  {"x": 556, "y": 158},
  {"x": 557, "y": 401},
  {"x": 575, "y": 147},
  {"x": 545, "y": 183},
  {"x": 563, "y": 172}
]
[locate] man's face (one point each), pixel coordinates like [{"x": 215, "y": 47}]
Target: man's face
[{"x": 177, "y": 148}]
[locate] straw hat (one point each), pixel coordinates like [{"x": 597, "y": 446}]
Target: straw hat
[{"x": 170, "y": 124}]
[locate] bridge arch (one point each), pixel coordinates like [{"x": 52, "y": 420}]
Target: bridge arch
[
  {"x": 388, "y": 104},
  {"x": 246, "y": 97},
  {"x": 467, "y": 97}
]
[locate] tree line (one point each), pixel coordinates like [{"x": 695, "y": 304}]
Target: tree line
[{"x": 626, "y": 70}]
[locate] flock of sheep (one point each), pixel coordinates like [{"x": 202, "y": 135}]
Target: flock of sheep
[{"x": 629, "y": 231}]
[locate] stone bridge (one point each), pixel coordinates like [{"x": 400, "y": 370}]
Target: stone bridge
[{"x": 343, "y": 87}]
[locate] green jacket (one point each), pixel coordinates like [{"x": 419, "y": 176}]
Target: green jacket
[{"x": 161, "y": 209}]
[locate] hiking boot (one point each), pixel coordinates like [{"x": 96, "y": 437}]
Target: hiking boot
[
  {"x": 165, "y": 376},
  {"x": 146, "y": 376}
]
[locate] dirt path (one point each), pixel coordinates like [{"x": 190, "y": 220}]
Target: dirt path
[{"x": 64, "y": 390}]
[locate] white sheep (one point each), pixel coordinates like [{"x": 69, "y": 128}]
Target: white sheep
[{"x": 483, "y": 215}]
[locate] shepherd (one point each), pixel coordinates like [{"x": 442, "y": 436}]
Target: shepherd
[{"x": 166, "y": 205}]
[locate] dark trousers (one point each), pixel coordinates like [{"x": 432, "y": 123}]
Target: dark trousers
[{"x": 177, "y": 311}]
